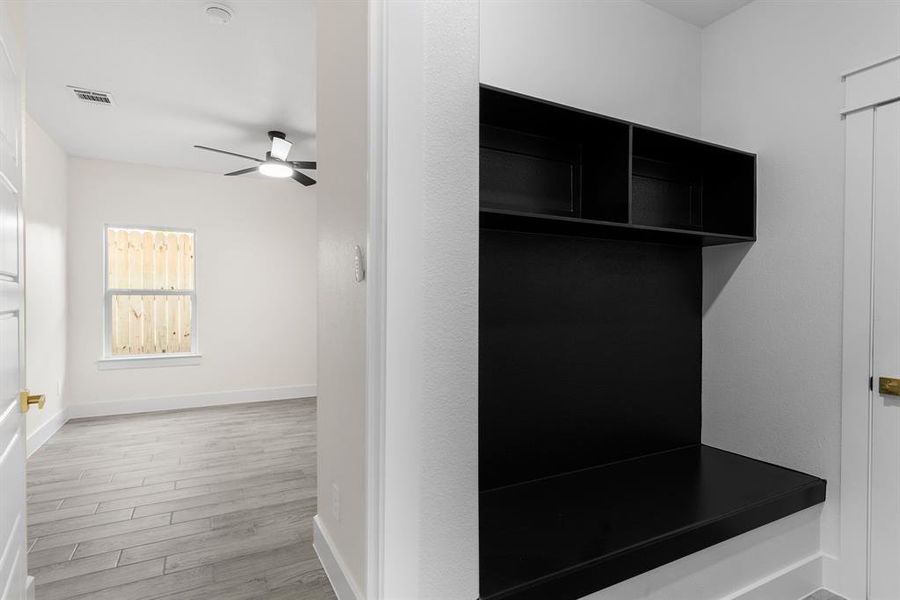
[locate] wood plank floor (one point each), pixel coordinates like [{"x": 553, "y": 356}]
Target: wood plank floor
[{"x": 202, "y": 504}]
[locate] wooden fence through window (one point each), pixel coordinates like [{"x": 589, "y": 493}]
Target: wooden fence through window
[{"x": 149, "y": 261}]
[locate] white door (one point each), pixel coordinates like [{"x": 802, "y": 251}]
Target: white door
[
  {"x": 12, "y": 326},
  {"x": 884, "y": 497}
]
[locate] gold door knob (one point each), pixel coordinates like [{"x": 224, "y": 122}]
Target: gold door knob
[
  {"x": 889, "y": 386},
  {"x": 26, "y": 399}
]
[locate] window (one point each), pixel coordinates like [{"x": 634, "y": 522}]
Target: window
[{"x": 150, "y": 302}]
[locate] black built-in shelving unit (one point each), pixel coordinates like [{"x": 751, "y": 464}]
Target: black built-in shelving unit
[
  {"x": 591, "y": 467},
  {"x": 547, "y": 167}
]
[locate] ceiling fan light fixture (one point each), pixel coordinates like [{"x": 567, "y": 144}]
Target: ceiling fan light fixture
[
  {"x": 275, "y": 163},
  {"x": 275, "y": 169}
]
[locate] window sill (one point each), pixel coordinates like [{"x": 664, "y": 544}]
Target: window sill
[{"x": 143, "y": 362}]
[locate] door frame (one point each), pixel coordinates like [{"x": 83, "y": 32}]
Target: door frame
[
  {"x": 866, "y": 88},
  {"x": 376, "y": 296}
]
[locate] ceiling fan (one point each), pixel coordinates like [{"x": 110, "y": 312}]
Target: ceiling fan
[{"x": 276, "y": 163}]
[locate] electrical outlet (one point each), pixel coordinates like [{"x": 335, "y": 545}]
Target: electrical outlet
[{"x": 336, "y": 501}]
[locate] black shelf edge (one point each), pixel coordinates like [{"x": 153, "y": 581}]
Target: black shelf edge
[
  {"x": 681, "y": 502},
  {"x": 511, "y": 220},
  {"x": 590, "y": 113}
]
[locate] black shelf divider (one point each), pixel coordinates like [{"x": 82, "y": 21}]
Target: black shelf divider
[{"x": 527, "y": 222}]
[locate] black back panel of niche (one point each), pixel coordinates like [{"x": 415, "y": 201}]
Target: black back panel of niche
[{"x": 589, "y": 352}]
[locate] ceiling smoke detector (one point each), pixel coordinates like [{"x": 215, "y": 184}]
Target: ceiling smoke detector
[
  {"x": 92, "y": 96},
  {"x": 218, "y": 14}
]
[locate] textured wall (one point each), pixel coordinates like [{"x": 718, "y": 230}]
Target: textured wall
[
  {"x": 46, "y": 295},
  {"x": 624, "y": 58},
  {"x": 342, "y": 54},
  {"x": 772, "y": 324},
  {"x": 431, "y": 453}
]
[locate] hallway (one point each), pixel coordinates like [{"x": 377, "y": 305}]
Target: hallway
[{"x": 186, "y": 505}]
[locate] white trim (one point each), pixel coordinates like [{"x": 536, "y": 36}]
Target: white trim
[
  {"x": 5, "y": 180},
  {"x": 877, "y": 63},
  {"x": 855, "y": 109},
  {"x": 781, "y": 560},
  {"x": 344, "y": 586},
  {"x": 29, "y": 588},
  {"x": 148, "y": 292},
  {"x": 847, "y": 573},
  {"x": 797, "y": 581},
  {"x": 376, "y": 297},
  {"x": 140, "y": 405},
  {"x": 872, "y": 86},
  {"x": 153, "y": 360},
  {"x": 43, "y": 433}
]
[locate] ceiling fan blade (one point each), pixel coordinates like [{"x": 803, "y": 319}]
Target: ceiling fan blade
[
  {"x": 301, "y": 178},
  {"x": 280, "y": 148},
  {"x": 227, "y": 152},
  {"x": 303, "y": 164},
  {"x": 242, "y": 171}
]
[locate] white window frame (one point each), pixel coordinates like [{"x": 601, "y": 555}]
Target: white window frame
[{"x": 165, "y": 359}]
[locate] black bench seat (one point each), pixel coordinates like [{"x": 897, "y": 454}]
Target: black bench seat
[{"x": 566, "y": 536}]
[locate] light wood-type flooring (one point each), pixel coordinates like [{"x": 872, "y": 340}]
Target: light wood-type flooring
[
  {"x": 824, "y": 595},
  {"x": 202, "y": 504}
]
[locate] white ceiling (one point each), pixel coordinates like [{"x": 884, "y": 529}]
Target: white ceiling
[
  {"x": 177, "y": 79},
  {"x": 699, "y": 12}
]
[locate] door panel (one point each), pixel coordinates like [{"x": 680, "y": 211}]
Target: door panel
[
  {"x": 13, "y": 557},
  {"x": 10, "y": 120},
  {"x": 9, "y": 234},
  {"x": 885, "y": 424},
  {"x": 12, "y": 421},
  {"x": 12, "y": 461}
]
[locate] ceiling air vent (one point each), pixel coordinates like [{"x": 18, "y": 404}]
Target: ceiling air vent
[{"x": 93, "y": 96}]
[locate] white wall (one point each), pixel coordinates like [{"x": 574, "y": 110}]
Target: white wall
[
  {"x": 772, "y": 326},
  {"x": 342, "y": 105},
  {"x": 46, "y": 293},
  {"x": 431, "y": 418},
  {"x": 256, "y": 280},
  {"x": 621, "y": 58}
]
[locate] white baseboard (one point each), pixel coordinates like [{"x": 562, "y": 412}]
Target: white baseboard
[
  {"x": 140, "y": 405},
  {"x": 344, "y": 586},
  {"x": 777, "y": 561},
  {"x": 794, "y": 582},
  {"x": 844, "y": 576},
  {"x": 43, "y": 433}
]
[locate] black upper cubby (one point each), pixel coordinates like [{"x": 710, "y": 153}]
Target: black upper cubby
[
  {"x": 555, "y": 169},
  {"x": 545, "y": 159}
]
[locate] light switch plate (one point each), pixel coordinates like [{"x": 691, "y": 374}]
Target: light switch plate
[{"x": 359, "y": 264}]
